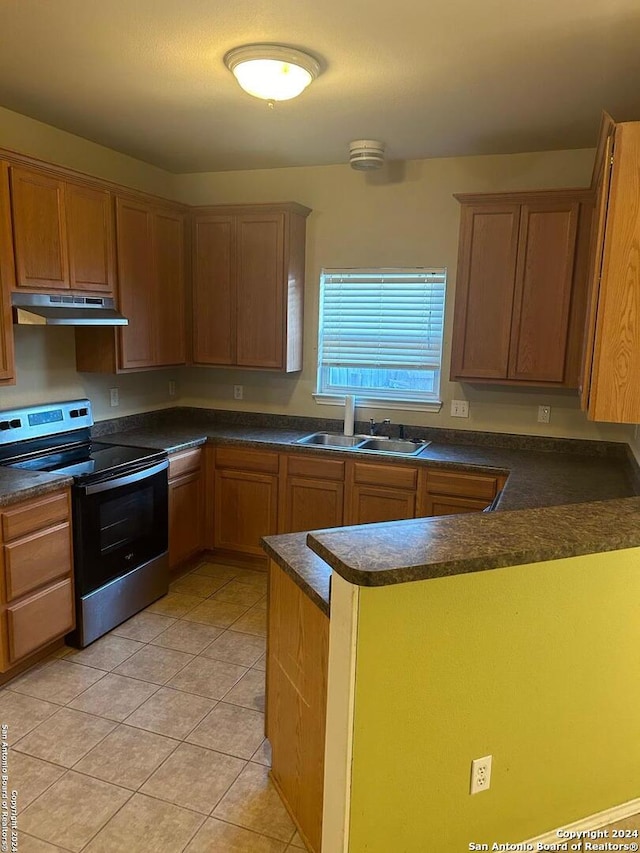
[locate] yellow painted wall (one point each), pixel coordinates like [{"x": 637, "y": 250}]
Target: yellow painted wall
[{"x": 537, "y": 665}]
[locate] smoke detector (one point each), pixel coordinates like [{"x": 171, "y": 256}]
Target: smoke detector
[{"x": 365, "y": 154}]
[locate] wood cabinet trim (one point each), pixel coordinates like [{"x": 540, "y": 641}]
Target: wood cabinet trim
[
  {"x": 7, "y": 280},
  {"x": 55, "y": 171},
  {"x": 254, "y": 209},
  {"x": 527, "y": 196}
]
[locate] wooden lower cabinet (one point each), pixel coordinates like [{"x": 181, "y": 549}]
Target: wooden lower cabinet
[
  {"x": 449, "y": 492},
  {"x": 40, "y": 618},
  {"x": 245, "y": 500},
  {"x": 37, "y": 576},
  {"x": 297, "y": 670},
  {"x": 186, "y": 506},
  {"x": 312, "y": 495},
  {"x": 380, "y": 492}
]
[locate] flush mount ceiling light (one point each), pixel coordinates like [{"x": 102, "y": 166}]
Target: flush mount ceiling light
[{"x": 272, "y": 72}]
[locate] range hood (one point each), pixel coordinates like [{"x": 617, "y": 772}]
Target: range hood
[{"x": 40, "y": 309}]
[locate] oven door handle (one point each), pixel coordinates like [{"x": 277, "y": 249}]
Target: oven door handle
[{"x": 142, "y": 474}]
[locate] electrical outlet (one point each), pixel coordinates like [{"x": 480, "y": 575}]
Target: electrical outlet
[
  {"x": 172, "y": 388},
  {"x": 238, "y": 392},
  {"x": 544, "y": 414},
  {"x": 480, "y": 774},
  {"x": 459, "y": 409},
  {"x": 114, "y": 397}
]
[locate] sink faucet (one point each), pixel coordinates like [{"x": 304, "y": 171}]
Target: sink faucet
[{"x": 373, "y": 425}]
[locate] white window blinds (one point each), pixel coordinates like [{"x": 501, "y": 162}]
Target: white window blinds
[{"x": 383, "y": 319}]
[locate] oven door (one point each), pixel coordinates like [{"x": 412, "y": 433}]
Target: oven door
[{"x": 119, "y": 524}]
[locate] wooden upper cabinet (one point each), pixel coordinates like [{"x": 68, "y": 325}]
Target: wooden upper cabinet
[
  {"x": 214, "y": 290},
  {"x": 248, "y": 265},
  {"x": 150, "y": 243},
  {"x": 39, "y": 230},
  {"x": 521, "y": 288},
  {"x": 7, "y": 281},
  {"x": 169, "y": 298},
  {"x": 611, "y": 390},
  {"x": 134, "y": 228},
  {"x": 260, "y": 290},
  {"x": 484, "y": 291},
  {"x": 543, "y": 282},
  {"x": 90, "y": 238}
]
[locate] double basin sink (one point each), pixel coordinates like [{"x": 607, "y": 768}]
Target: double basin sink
[{"x": 375, "y": 444}]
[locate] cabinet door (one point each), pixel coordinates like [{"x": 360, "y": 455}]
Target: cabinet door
[
  {"x": 369, "y": 504},
  {"x": 544, "y": 278},
  {"x": 260, "y": 290},
  {"x": 169, "y": 299},
  {"x": 7, "y": 280},
  {"x": 615, "y": 390},
  {"x": 484, "y": 291},
  {"x": 186, "y": 515},
  {"x": 134, "y": 224},
  {"x": 312, "y": 504},
  {"x": 39, "y": 231},
  {"x": 297, "y": 668},
  {"x": 90, "y": 236},
  {"x": 214, "y": 296},
  {"x": 246, "y": 505}
]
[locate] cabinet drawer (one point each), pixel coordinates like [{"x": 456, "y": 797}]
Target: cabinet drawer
[
  {"x": 394, "y": 476},
  {"x": 184, "y": 462},
  {"x": 247, "y": 460},
  {"x": 462, "y": 485},
  {"x": 40, "y": 619},
  {"x": 322, "y": 469},
  {"x": 34, "y": 515},
  {"x": 37, "y": 560}
]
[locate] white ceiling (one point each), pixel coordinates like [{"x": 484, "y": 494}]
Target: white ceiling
[{"x": 430, "y": 79}]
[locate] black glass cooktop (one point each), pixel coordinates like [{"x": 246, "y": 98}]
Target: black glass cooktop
[{"x": 87, "y": 460}]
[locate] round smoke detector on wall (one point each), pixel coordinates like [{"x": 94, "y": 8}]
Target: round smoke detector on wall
[{"x": 365, "y": 154}]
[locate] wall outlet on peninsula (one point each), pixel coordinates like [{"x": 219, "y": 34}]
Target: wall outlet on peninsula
[{"x": 480, "y": 774}]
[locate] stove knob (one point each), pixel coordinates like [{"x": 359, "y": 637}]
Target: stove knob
[
  {"x": 15, "y": 423},
  {"x": 4, "y": 425}
]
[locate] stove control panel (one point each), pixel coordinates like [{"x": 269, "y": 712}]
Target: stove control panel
[{"x": 43, "y": 421}]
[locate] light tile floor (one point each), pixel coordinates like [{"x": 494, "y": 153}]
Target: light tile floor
[{"x": 152, "y": 739}]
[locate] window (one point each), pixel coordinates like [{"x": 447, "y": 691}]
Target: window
[{"x": 380, "y": 335}]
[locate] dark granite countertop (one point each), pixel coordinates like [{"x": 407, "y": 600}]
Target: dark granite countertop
[
  {"x": 17, "y": 485},
  {"x": 312, "y": 574},
  {"x": 536, "y": 478},
  {"x": 427, "y": 548},
  {"x": 565, "y": 474}
]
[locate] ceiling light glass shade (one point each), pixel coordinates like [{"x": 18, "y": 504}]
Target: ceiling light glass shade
[{"x": 272, "y": 72}]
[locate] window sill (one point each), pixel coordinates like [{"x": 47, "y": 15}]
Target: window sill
[{"x": 380, "y": 403}]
